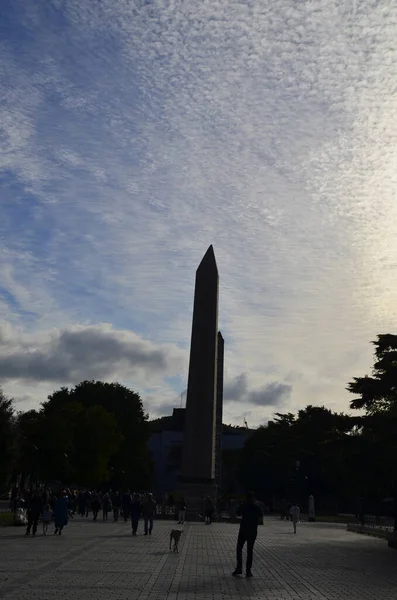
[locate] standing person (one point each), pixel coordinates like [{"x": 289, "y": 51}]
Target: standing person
[
  {"x": 126, "y": 505},
  {"x": 106, "y": 506},
  {"x": 136, "y": 509},
  {"x": 61, "y": 514},
  {"x": 88, "y": 499},
  {"x": 149, "y": 511},
  {"x": 35, "y": 507},
  {"x": 81, "y": 503},
  {"x": 47, "y": 516},
  {"x": 294, "y": 512},
  {"x": 250, "y": 514},
  {"x": 116, "y": 506},
  {"x": 95, "y": 505},
  {"x": 209, "y": 510},
  {"x": 181, "y": 511}
]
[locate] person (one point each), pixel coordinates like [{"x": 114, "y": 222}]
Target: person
[
  {"x": 181, "y": 511},
  {"x": 47, "y": 516},
  {"x": 116, "y": 506},
  {"x": 106, "y": 506},
  {"x": 149, "y": 511},
  {"x": 126, "y": 505},
  {"x": 250, "y": 514},
  {"x": 61, "y": 514},
  {"x": 81, "y": 502},
  {"x": 35, "y": 507},
  {"x": 135, "y": 510},
  {"x": 294, "y": 512},
  {"x": 96, "y": 506},
  {"x": 209, "y": 510},
  {"x": 88, "y": 499}
]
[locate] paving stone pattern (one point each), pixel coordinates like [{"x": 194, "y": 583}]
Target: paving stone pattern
[{"x": 95, "y": 561}]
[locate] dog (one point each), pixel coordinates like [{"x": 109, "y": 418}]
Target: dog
[{"x": 176, "y": 536}]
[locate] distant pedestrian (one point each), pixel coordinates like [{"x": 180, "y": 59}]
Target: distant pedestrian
[
  {"x": 126, "y": 505},
  {"x": 294, "y": 512},
  {"x": 149, "y": 512},
  {"x": 35, "y": 507},
  {"x": 209, "y": 510},
  {"x": 181, "y": 511},
  {"x": 116, "y": 500},
  {"x": 106, "y": 506},
  {"x": 47, "y": 516},
  {"x": 136, "y": 509},
  {"x": 61, "y": 514},
  {"x": 96, "y": 506},
  {"x": 250, "y": 514},
  {"x": 88, "y": 499}
]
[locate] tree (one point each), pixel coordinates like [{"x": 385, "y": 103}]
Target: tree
[
  {"x": 379, "y": 392},
  {"x": 295, "y": 455},
  {"x": 130, "y": 463},
  {"x": 7, "y": 439},
  {"x": 377, "y": 397}
]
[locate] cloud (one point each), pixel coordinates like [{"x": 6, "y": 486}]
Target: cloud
[
  {"x": 84, "y": 352},
  {"x": 136, "y": 134},
  {"x": 271, "y": 394}
]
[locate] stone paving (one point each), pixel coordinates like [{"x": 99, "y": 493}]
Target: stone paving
[{"x": 95, "y": 561}]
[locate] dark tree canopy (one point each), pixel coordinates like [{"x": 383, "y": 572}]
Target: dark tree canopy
[
  {"x": 87, "y": 435},
  {"x": 379, "y": 392}
]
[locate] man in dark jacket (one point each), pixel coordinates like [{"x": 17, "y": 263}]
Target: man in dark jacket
[
  {"x": 149, "y": 511},
  {"x": 35, "y": 508},
  {"x": 250, "y": 514}
]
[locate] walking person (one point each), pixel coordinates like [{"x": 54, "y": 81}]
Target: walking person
[
  {"x": 250, "y": 514},
  {"x": 47, "y": 516},
  {"x": 295, "y": 513},
  {"x": 209, "y": 510},
  {"x": 181, "y": 511},
  {"x": 106, "y": 506},
  {"x": 35, "y": 507},
  {"x": 116, "y": 506},
  {"x": 61, "y": 514},
  {"x": 135, "y": 509},
  {"x": 149, "y": 511},
  {"x": 126, "y": 505},
  {"x": 96, "y": 506}
]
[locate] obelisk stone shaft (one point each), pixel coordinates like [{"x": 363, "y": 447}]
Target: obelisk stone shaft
[
  {"x": 198, "y": 463},
  {"x": 219, "y": 412}
]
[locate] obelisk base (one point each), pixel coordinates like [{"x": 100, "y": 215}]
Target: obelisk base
[{"x": 195, "y": 495}]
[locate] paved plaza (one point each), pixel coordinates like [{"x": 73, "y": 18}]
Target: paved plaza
[{"x": 103, "y": 561}]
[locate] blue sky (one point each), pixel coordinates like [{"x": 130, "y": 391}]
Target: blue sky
[{"x": 135, "y": 134}]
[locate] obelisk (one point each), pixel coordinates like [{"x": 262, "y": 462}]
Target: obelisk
[
  {"x": 219, "y": 412},
  {"x": 198, "y": 459}
]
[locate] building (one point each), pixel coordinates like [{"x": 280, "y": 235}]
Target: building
[{"x": 165, "y": 445}]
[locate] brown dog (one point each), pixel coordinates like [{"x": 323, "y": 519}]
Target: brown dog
[{"x": 176, "y": 536}]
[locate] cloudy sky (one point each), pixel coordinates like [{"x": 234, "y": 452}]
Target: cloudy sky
[{"x": 135, "y": 133}]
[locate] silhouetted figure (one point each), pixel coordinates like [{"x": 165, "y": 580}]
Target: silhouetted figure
[
  {"x": 136, "y": 509},
  {"x": 181, "y": 511},
  {"x": 126, "y": 505},
  {"x": 116, "y": 506},
  {"x": 209, "y": 510},
  {"x": 149, "y": 511},
  {"x": 61, "y": 514},
  {"x": 250, "y": 514},
  {"x": 35, "y": 507},
  {"x": 294, "y": 512}
]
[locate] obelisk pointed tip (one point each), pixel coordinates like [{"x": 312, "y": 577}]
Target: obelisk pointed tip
[{"x": 208, "y": 259}]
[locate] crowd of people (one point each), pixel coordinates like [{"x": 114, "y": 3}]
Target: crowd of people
[{"x": 45, "y": 505}]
